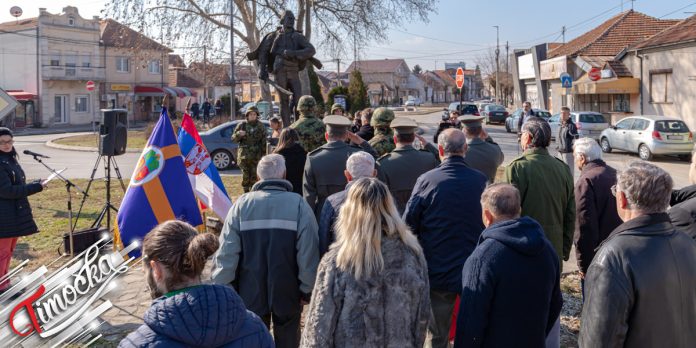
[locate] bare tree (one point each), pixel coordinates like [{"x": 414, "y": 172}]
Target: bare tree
[
  {"x": 486, "y": 62},
  {"x": 328, "y": 23}
]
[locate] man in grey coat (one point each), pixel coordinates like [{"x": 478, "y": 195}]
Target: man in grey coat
[
  {"x": 400, "y": 168},
  {"x": 323, "y": 173},
  {"x": 639, "y": 289},
  {"x": 269, "y": 251},
  {"x": 484, "y": 154}
]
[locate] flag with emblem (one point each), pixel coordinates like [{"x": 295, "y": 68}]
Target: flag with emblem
[
  {"x": 159, "y": 189},
  {"x": 204, "y": 177}
]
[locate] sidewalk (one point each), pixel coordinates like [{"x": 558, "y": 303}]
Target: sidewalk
[{"x": 67, "y": 129}]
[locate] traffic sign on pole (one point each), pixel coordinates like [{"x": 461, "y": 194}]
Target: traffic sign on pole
[
  {"x": 460, "y": 78},
  {"x": 90, "y": 85},
  {"x": 566, "y": 80},
  {"x": 595, "y": 74}
]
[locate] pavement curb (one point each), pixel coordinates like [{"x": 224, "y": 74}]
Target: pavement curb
[{"x": 54, "y": 145}]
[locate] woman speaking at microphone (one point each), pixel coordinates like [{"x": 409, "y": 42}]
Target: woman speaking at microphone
[{"x": 15, "y": 213}]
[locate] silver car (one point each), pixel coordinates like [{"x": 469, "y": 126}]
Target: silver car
[
  {"x": 590, "y": 124},
  {"x": 648, "y": 136}
]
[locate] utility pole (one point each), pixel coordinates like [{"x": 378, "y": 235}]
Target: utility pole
[
  {"x": 507, "y": 67},
  {"x": 563, "y": 31},
  {"x": 338, "y": 71},
  {"x": 497, "y": 63},
  {"x": 205, "y": 73},
  {"x": 233, "y": 82}
]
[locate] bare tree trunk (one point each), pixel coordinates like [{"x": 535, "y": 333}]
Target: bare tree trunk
[{"x": 306, "y": 11}]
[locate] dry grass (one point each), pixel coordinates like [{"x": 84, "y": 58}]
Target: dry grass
[
  {"x": 51, "y": 215},
  {"x": 572, "y": 307},
  {"x": 136, "y": 140}
]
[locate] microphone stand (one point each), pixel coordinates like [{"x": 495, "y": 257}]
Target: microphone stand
[{"x": 68, "y": 185}]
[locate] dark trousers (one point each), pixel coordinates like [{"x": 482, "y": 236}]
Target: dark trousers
[
  {"x": 286, "y": 329},
  {"x": 290, "y": 80},
  {"x": 442, "y": 306}
]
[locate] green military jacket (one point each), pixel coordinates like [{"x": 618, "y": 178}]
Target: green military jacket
[
  {"x": 400, "y": 169},
  {"x": 382, "y": 142},
  {"x": 253, "y": 144},
  {"x": 311, "y": 130},
  {"x": 546, "y": 188}
]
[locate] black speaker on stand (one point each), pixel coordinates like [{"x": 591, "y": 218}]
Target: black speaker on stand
[{"x": 113, "y": 140}]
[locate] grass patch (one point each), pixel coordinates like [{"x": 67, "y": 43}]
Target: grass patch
[
  {"x": 136, "y": 140},
  {"x": 51, "y": 215}
]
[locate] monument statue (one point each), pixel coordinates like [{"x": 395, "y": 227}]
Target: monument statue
[{"x": 284, "y": 53}]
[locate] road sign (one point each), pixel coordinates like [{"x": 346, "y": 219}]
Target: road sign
[
  {"x": 90, "y": 85},
  {"x": 7, "y": 103},
  {"x": 460, "y": 78},
  {"x": 566, "y": 80},
  {"x": 595, "y": 74}
]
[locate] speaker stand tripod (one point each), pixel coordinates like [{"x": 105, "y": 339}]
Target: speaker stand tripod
[{"x": 108, "y": 206}]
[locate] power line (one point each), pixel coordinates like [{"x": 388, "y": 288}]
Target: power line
[{"x": 677, "y": 10}]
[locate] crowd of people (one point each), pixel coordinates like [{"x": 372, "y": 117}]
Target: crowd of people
[{"x": 414, "y": 244}]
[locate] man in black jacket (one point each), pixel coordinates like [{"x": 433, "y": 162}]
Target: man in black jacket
[
  {"x": 640, "y": 286},
  {"x": 366, "y": 131},
  {"x": 683, "y": 202},
  {"x": 595, "y": 207}
]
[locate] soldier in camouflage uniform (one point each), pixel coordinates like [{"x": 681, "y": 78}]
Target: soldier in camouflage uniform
[
  {"x": 383, "y": 141},
  {"x": 251, "y": 137},
  {"x": 310, "y": 128}
]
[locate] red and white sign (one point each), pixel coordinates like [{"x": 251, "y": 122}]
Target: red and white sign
[
  {"x": 460, "y": 78},
  {"x": 595, "y": 74},
  {"x": 90, "y": 85}
]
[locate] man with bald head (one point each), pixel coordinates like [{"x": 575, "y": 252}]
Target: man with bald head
[{"x": 445, "y": 214}]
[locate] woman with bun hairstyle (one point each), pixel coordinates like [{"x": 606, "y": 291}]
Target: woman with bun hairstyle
[{"x": 186, "y": 312}]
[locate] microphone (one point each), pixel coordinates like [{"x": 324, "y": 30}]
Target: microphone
[{"x": 32, "y": 153}]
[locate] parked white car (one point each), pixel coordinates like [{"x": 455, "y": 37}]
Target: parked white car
[
  {"x": 648, "y": 136},
  {"x": 590, "y": 124}
]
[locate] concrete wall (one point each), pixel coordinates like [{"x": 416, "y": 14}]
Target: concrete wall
[
  {"x": 681, "y": 86},
  {"x": 18, "y": 61}
]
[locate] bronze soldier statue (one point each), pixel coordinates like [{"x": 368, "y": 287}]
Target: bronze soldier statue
[{"x": 284, "y": 53}]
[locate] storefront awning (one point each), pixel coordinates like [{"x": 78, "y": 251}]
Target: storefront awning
[
  {"x": 150, "y": 91},
  {"x": 623, "y": 85},
  {"x": 22, "y": 95}
]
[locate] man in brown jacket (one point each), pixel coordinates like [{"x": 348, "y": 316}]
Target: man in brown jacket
[{"x": 595, "y": 213}]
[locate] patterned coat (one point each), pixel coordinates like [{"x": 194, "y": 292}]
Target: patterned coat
[
  {"x": 389, "y": 309},
  {"x": 252, "y": 146},
  {"x": 311, "y": 130},
  {"x": 383, "y": 141}
]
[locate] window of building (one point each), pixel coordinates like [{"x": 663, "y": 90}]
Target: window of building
[
  {"x": 81, "y": 103},
  {"x": 70, "y": 63},
  {"x": 55, "y": 58},
  {"x": 71, "y": 21},
  {"x": 154, "y": 66},
  {"x": 659, "y": 86},
  {"x": 86, "y": 60},
  {"x": 122, "y": 64},
  {"x": 621, "y": 102}
]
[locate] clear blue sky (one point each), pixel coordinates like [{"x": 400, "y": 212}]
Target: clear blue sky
[{"x": 460, "y": 29}]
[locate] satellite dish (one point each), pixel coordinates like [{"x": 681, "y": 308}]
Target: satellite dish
[{"x": 16, "y": 11}]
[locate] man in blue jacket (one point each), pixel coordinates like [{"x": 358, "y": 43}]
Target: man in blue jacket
[
  {"x": 510, "y": 284},
  {"x": 445, "y": 214}
]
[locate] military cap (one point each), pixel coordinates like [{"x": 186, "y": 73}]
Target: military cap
[
  {"x": 306, "y": 103},
  {"x": 252, "y": 109},
  {"x": 382, "y": 117},
  {"x": 403, "y": 125},
  {"x": 337, "y": 121},
  {"x": 335, "y": 107},
  {"x": 471, "y": 121}
]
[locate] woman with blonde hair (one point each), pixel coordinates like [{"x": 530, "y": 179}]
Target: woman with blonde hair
[{"x": 372, "y": 285}]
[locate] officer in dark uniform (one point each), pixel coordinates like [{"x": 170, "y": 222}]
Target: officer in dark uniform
[
  {"x": 400, "y": 168},
  {"x": 323, "y": 173},
  {"x": 484, "y": 154}
]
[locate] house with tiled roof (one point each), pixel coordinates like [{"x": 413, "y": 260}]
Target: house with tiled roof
[
  {"x": 137, "y": 72},
  {"x": 616, "y": 92},
  {"x": 665, "y": 65},
  {"x": 54, "y": 56},
  {"x": 389, "y": 81}
]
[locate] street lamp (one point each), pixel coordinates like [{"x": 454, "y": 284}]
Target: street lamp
[{"x": 497, "y": 59}]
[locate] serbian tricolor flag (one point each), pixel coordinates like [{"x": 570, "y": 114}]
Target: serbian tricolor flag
[
  {"x": 159, "y": 189},
  {"x": 204, "y": 177}
]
